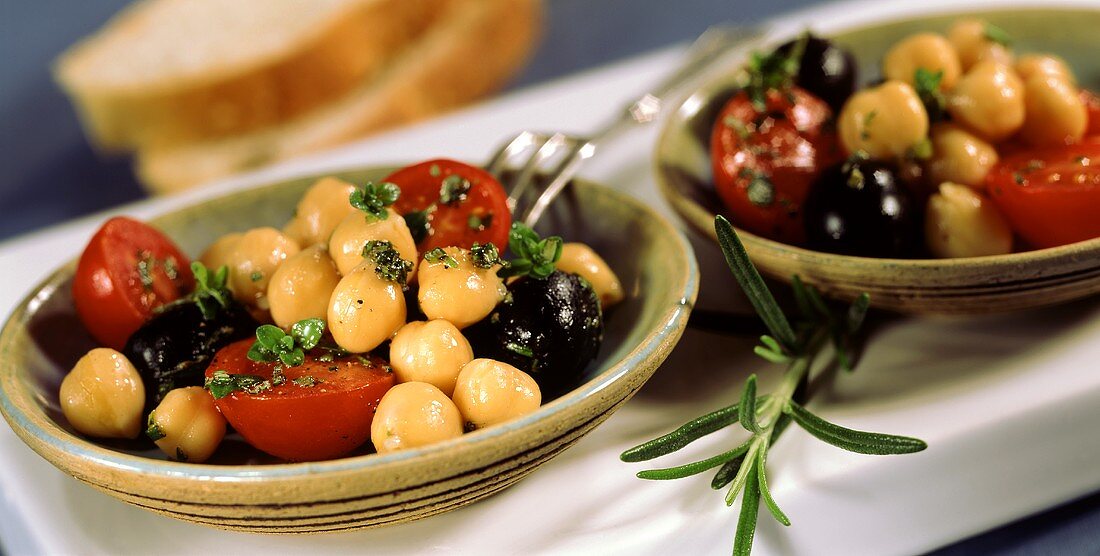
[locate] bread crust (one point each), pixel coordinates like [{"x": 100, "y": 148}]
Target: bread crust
[
  {"x": 352, "y": 46},
  {"x": 473, "y": 49}
]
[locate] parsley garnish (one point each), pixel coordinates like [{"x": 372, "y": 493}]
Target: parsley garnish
[
  {"x": 479, "y": 223},
  {"x": 485, "y": 256},
  {"x": 760, "y": 191},
  {"x": 435, "y": 171},
  {"x": 145, "y": 265},
  {"x": 922, "y": 150},
  {"x": 865, "y": 130},
  {"x": 221, "y": 384},
  {"x": 210, "y": 293},
  {"x": 454, "y": 189},
  {"x": 272, "y": 344},
  {"x": 533, "y": 256},
  {"x": 438, "y": 255},
  {"x": 256, "y": 276},
  {"x": 997, "y": 35},
  {"x": 374, "y": 198},
  {"x": 773, "y": 72},
  {"x": 388, "y": 264},
  {"x": 519, "y": 349},
  {"x": 152, "y": 429},
  {"x": 307, "y": 381},
  {"x": 927, "y": 84}
]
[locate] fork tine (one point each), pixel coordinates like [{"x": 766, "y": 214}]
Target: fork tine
[
  {"x": 526, "y": 177},
  {"x": 580, "y": 150},
  {"x": 520, "y": 143}
]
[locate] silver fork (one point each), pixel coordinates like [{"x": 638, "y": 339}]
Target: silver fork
[{"x": 552, "y": 159}]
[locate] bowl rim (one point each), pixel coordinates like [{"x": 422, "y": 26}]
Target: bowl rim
[
  {"x": 674, "y": 320},
  {"x": 850, "y": 16}
]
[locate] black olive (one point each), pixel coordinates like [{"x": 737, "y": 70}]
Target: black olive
[
  {"x": 859, "y": 207},
  {"x": 173, "y": 348},
  {"x": 826, "y": 70},
  {"x": 551, "y": 329}
]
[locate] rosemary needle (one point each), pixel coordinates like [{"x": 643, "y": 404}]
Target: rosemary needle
[{"x": 742, "y": 470}]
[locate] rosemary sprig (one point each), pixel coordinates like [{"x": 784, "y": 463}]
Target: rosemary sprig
[{"x": 743, "y": 470}]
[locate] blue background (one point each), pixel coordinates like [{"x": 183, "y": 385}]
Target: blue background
[{"x": 48, "y": 174}]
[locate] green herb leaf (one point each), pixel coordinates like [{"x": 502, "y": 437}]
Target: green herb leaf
[
  {"x": 857, "y": 312},
  {"x": 420, "y": 226},
  {"x": 485, "y": 255},
  {"x": 373, "y": 199},
  {"x": 747, "y": 411},
  {"x": 454, "y": 189},
  {"x": 922, "y": 150},
  {"x": 760, "y": 191},
  {"x": 852, "y": 440},
  {"x": 746, "y": 521},
  {"x": 307, "y": 332},
  {"x": 221, "y": 384},
  {"x": 388, "y": 264},
  {"x": 519, "y": 349},
  {"x": 774, "y": 71},
  {"x": 479, "y": 222},
  {"x": 686, "y": 434},
  {"x": 272, "y": 344},
  {"x": 438, "y": 255},
  {"x": 211, "y": 294},
  {"x": 749, "y": 279},
  {"x": 533, "y": 256},
  {"x": 997, "y": 35},
  {"x": 307, "y": 381},
  {"x": 927, "y": 85},
  {"x": 152, "y": 429}
]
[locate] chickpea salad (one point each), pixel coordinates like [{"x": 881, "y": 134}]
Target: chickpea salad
[
  {"x": 386, "y": 315},
  {"x": 963, "y": 148}
]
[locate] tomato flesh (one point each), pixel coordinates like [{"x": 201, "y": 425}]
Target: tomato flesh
[
  {"x": 127, "y": 270},
  {"x": 1050, "y": 196},
  {"x": 764, "y": 162},
  {"x": 304, "y": 423},
  {"x": 479, "y": 215}
]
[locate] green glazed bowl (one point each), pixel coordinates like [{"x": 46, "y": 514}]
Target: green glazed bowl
[
  {"x": 244, "y": 490},
  {"x": 932, "y": 286}
]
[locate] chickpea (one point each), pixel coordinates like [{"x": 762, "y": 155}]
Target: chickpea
[
  {"x": 355, "y": 230},
  {"x": 258, "y": 253},
  {"x": 960, "y": 222},
  {"x": 462, "y": 295},
  {"x": 432, "y": 352},
  {"x": 1055, "y": 113},
  {"x": 883, "y": 121},
  {"x": 1044, "y": 64},
  {"x": 989, "y": 100},
  {"x": 490, "y": 392},
  {"x": 923, "y": 50},
  {"x": 580, "y": 259},
  {"x": 302, "y": 286},
  {"x": 365, "y": 310},
  {"x": 191, "y": 425},
  {"x": 220, "y": 252},
  {"x": 414, "y": 414},
  {"x": 970, "y": 38},
  {"x": 959, "y": 156},
  {"x": 103, "y": 395},
  {"x": 320, "y": 210}
]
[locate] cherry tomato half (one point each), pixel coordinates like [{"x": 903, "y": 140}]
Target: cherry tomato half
[
  {"x": 1050, "y": 196},
  {"x": 764, "y": 162},
  {"x": 322, "y": 411},
  {"x": 464, "y": 204},
  {"x": 127, "y": 270}
]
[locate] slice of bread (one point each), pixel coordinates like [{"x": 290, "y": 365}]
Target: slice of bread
[
  {"x": 472, "y": 49},
  {"x": 174, "y": 71}
]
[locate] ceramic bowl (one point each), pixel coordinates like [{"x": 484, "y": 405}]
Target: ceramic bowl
[
  {"x": 948, "y": 286},
  {"x": 249, "y": 492}
]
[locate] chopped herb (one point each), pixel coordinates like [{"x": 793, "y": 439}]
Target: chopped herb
[
  {"x": 222, "y": 384},
  {"x": 1081, "y": 160},
  {"x": 865, "y": 130},
  {"x": 534, "y": 256},
  {"x": 210, "y": 293},
  {"x": 333, "y": 368},
  {"x": 479, "y": 222},
  {"x": 485, "y": 256},
  {"x": 180, "y": 454},
  {"x": 855, "y": 178},
  {"x": 997, "y": 35},
  {"x": 927, "y": 84},
  {"x": 272, "y": 344},
  {"x": 1019, "y": 178},
  {"x": 277, "y": 376},
  {"x": 738, "y": 127},
  {"x": 171, "y": 268},
  {"x": 438, "y": 255},
  {"x": 454, "y": 190},
  {"x": 145, "y": 266},
  {"x": 306, "y": 381},
  {"x": 519, "y": 349},
  {"x": 152, "y": 429},
  {"x": 760, "y": 191},
  {"x": 373, "y": 199},
  {"x": 419, "y": 224},
  {"x": 256, "y": 276},
  {"x": 435, "y": 171},
  {"x": 1033, "y": 165},
  {"x": 773, "y": 72},
  {"x": 921, "y": 151},
  {"x": 388, "y": 264}
]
